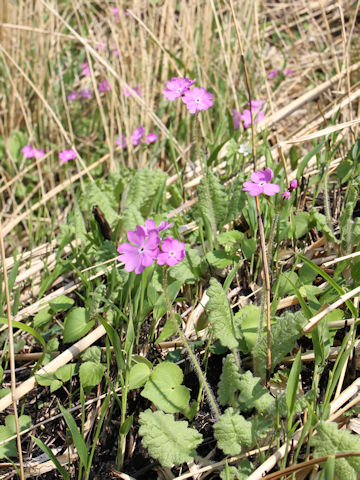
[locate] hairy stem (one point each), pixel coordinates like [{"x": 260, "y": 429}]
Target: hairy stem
[{"x": 193, "y": 359}]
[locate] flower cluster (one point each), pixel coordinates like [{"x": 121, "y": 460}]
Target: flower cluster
[
  {"x": 104, "y": 86},
  {"x": 67, "y": 155},
  {"x": 29, "y": 152},
  {"x": 245, "y": 115},
  {"x": 85, "y": 69},
  {"x": 293, "y": 186},
  {"x": 274, "y": 73},
  {"x": 195, "y": 99},
  {"x": 136, "y": 138},
  {"x": 260, "y": 183},
  {"x": 146, "y": 247}
]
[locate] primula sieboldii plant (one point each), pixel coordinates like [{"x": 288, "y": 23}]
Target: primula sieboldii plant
[
  {"x": 245, "y": 116},
  {"x": 67, "y": 155},
  {"x": 146, "y": 247},
  {"x": 260, "y": 183},
  {"x": 195, "y": 99},
  {"x": 29, "y": 152}
]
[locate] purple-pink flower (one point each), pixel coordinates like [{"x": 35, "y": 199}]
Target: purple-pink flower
[
  {"x": 245, "y": 115},
  {"x": 141, "y": 252},
  {"x": 176, "y": 87},
  {"x": 236, "y": 116},
  {"x": 72, "y": 96},
  {"x": 172, "y": 252},
  {"x": 67, "y": 155},
  {"x": 260, "y": 183},
  {"x": 128, "y": 93},
  {"x": 85, "y": 69},
  {"x": 39, "y": 153},
  {"x": 293, "y": 185},
  {"x": 286, "y": 195},
  {"x": 197, "y": 99},
  {"x": 151, "y": 138},
  {"x": 104, "y": 86},
  {"x": 121, "y": 141},
  {"x": 273, "y": 73},
  {"x": 287, "y": 71},
  {"x": 137, "y": 136},
  {"x": 150, "y": 226},
  {"x": 86, "y": 93},
  {"x": 28, "y": 151}
]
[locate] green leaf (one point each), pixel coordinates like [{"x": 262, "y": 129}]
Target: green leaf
[
  {"x": 219, "y": 258},
  {"x": 284, "y": 334},
  {"x": 143, "y": 190},
  {"x": 229, "y": 381},
  {"x": 242, "y": 471},
  {"x": 285, "y": 283},
  {"x": 293, "y": 384},
  {"x": 45, "y": 380},
  {"x": 91, "y": 373},
  {"x": 253, "y": 394},
  {"x": 42, "y": 317},
  {"x": 168, "y": 329},
  {"x": 55, "y": 385},
  {"x": 9, "y": 449},
  {"x": 168, "y": 441},
  {"x": 329, "y": 440},
  {"x": 139, "y": 374},
  {"x": 77, "y": 324},
  {"x": 248, "y": 320},
  {"x": 232, "y": 432},
  {"x": 92, "y": 354},
  {"x": 61, "y": 303},
  {"x": 76, "y": 436},
  {"x": 220, "y": 315},
  {"x": 218, "y": 199},
  {"x": 301, "y": 224},
  {"x": 248, "y": 247},
  {"x": 322, "y": 225},
  {"x": 66, "y": 372},
  {"x": 164, "y": 388},
  {"x": 231, "y": 237},
  {"x": 189, "y": 269},
  {"x": 161, "y": 307},
  {"x": 64, "y": 473},
  {"x": 92, "y": 196}
]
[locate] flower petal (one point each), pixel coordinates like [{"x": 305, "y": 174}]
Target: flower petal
[{"x": 271, "y": 188}]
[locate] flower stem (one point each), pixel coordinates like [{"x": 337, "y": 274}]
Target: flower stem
[
  {"x": 204, "y": 175},
  {"x": 193, "y": 359},
  {"x": 267, "y": 290}
]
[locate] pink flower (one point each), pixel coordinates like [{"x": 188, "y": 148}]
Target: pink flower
[
  {"x": 101, "y": 46},
  {"x": 115, "y": 12},
  {"x": 128, "y": 93},
  {"x": 286, "y": 195},
  {"x": 261, "y": 183},
  {"x": 197, "y": 99},
  {"x": 151, "y": 138},
  {"x": 176, "y": 87},
  {"x": 287, "y": 71},
  {"x": 236, "y": 116},
  {"x": 150, "y": 226},
  {"x": 141, "y": 252},
  {"x": 39, "y": 153},
  {"x": 28, "y": 151},
  {"x": 273, "y": 73},
  {"x": 121, "y": 141},
  {"x": 258, "y": 115},
  {"x": 67, "y": 155},
  {"x": 72, "y": 96},
  {"x": 85, "y": 69},
  {"x": 293, "y": 185},
  {"x": 104, "y": 86},
  {"x": 86, "y": 93},
  {"x": 137, "y": 136},
  {"x": 172, "y": 252}
]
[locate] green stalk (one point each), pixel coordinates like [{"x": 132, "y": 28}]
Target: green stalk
[
  {"x": 204, "y": 175},
  {"x": 193, "y": 359}
]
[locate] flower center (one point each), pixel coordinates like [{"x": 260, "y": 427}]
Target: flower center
[
  {"x": 197, "y": 100},
  {"x": 172, "y": 253},
  {"x": 141, "y": 250},
  {"x": 262, "y": 183}
]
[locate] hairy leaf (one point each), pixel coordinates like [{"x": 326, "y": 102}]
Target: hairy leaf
[
  {"x": 253, "y": 394},
  {"x": 330, "y": 440},
  {"x": 218, "y": 196},
  {"x": 93, "y": 195},
  {"x": 322, "y": 225},
  {"x": 143, "y": 190},
  {"x": 284, "y": 333},
  {"x": 220, "y": 315},
  {"x": 242, "y": 471},
  {"x": 229, "y": 381},
  {"x": 232, "y": 431},
  {"x": 247, "y": 320},
  {"x": 168, "y": 441},
  {"x": 190, "y": 269}
]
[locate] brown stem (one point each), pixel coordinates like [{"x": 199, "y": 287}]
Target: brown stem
[
  {"x": 267, "y": 289},
  {"x": 11, "y": 353}
]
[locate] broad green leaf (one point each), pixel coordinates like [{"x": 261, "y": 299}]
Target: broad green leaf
[
  {"x": 247, "y": 319},
  {"x": 66, "y": 372},
  {"x": 91, "y": 373},
  {"x": 220, "y": 315},
  {"x": 242, "y": 471},
  {"x": 55, "y": 385},
  {"x": 285, "y": 283},
  {"x": 189, "y": 269},
  {"x": 164, "y": 388},
  {"x": 42, "y": 317},
  {"x": 168, "y": 441},
  {"x": 301, "y": 224},
  {"x": 77, "y": 324},
  {"x": 78, "y": 439},
  {"x": 219, "y": 201},
  {"x": 329, "y": 440},
  {"x": 61, "y": 303},
  {"x": 9, "y": 449},
  {"x": 161, "y": 307},
  {"x": 322, "y": 225},
  {"x": 220, "y": 259},
  {"x": 92, "y": 354},
  {"x": 139, "y": 373},
  {"x": 253, "y": 394},
  {"x": 248, "y": 247},
  {"x": 45, "y": 379},
  {"x": 168, "y": 329},
  {"x": 232, "y": 237},
  {"x": 229, "y": 381},
  {"x": 232, "y": 432}
]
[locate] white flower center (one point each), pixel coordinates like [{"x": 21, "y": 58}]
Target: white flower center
[
  {"x": 197, "y": 100},
  {"x": 141, "y": 250},
  {"x": 172, "y": 253},
  {"x": 262, "y": 183}
]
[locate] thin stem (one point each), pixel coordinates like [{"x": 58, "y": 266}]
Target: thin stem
[
  {"x": 11, "y": 353},
  {"x": 267, "y": 289},
  {"x": 193, "y": 359},
  {"x": 206, "y": 184}
]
